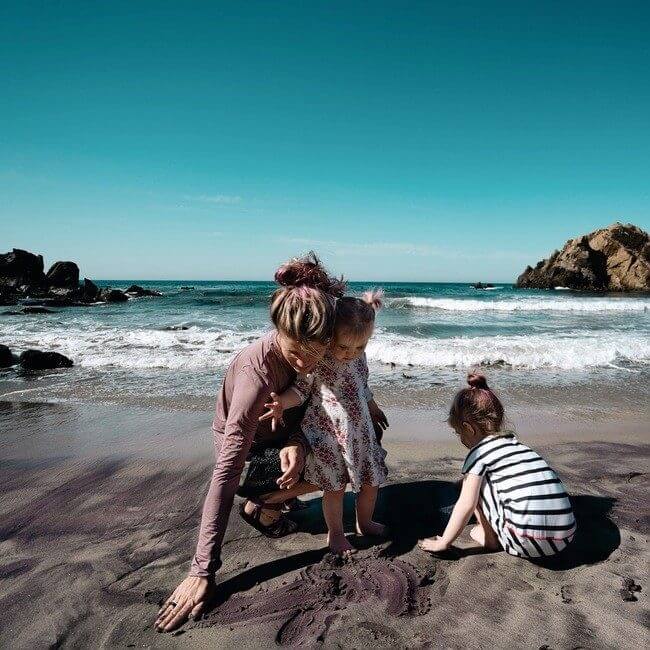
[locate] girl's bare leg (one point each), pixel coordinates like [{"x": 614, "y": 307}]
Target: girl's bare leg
[
  {"x": 366, "y": 500},
  {"x": 333, "y": 512},
  {"x": 483, "y": 534}
]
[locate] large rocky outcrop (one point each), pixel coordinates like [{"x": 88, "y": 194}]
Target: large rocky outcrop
[
  {"x": 23, "y": 282},
  {"x": 20, "y": 268},
  {"x": 616, "y": 258},
  {"x": 63, "y": 275}
]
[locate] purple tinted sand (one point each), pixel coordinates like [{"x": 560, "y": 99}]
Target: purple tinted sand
[{"x": 306, "y": 607}]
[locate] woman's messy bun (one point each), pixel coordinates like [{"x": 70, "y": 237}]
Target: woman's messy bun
[
  {"x": 302, "y": 307},
  {"x": 477, "y": 380},
  {"x": 309, "y": 272}
]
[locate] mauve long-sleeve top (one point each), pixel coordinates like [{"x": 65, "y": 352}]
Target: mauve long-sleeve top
[{"x": 253, "y": 374}]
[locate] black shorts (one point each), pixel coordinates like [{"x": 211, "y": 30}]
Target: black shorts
[{"x": 261, "y": 472}]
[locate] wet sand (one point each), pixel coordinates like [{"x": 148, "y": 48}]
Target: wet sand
[{"x": 99, "y": 507}]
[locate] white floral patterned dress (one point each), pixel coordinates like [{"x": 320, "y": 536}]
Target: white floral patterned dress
[{"x": 338, "y": 426}]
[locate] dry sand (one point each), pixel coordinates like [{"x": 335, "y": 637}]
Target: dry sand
[{"x": 98, "y": 514}]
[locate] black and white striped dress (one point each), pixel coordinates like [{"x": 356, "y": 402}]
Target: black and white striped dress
[{"x": 522, "y": 497}]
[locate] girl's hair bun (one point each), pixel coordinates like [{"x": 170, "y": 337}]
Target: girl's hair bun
[
  {"x": 374, "y": 298},
  {"x": 309, "y": 272},
  {"x": 477, "y": 380}
]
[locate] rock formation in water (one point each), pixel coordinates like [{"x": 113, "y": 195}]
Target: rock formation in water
[
  {"x": 616, "y": 258},
  {"x": 22, "y": 281},
  {"x": 63, "y": 275}
]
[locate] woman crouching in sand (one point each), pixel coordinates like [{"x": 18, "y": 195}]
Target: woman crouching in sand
[
  {"x": 303, "y": 313},
  {"x": 519, "y": 501}
]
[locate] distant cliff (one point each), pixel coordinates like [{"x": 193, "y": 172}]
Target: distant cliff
[{"x": 616, "y": 258}]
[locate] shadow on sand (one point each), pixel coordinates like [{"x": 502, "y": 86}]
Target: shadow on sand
[{"x": 420, "y": 509}]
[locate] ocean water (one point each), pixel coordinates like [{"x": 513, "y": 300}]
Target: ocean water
[{"x": 177, "y": 347}]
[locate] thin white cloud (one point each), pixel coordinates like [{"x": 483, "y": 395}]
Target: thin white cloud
[
  {"x": 342, "y": 248},
  {"x": 218, "y": 199}
]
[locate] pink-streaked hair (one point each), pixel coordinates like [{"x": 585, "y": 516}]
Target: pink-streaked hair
[
  {"x": 357, "y": 315},
  {"x": 478, "y": 406},
  {"x": 302, "y": 307}
]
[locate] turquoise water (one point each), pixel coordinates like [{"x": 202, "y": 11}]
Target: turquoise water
[{"x": 179, "y": 344}]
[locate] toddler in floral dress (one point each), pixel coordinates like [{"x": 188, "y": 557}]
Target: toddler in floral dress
[{"x": 340, "y": 422}]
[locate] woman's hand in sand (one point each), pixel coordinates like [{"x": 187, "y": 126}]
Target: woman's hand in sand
[
  {"x": 187, "y": 601},
  {"x": 275, "y": 412},
  {"x": 433, "y": 544}
]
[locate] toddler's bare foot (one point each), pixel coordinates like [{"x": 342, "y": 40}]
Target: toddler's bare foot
[
  {"x": 339, "y": 545},
  {"x": 477, "y": 533},
  {"x": 372, "y": 529}
]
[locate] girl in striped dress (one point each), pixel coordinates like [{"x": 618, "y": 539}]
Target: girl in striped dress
[{"x": 519, "y": 502}]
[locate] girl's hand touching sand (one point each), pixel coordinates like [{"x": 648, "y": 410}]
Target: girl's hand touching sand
[
  {"x": 187, "y": 601},
  {"x": 275, "y": 412},
  {"x": 433, "y": 544}
]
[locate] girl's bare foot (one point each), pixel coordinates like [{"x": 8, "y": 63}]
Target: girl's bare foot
[
  {"x": 477, "y": 533},
  {"x": 339, "y": 544},
  {"x": 372, "y": 529}
]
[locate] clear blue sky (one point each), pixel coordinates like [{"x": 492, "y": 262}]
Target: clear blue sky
[{"x": 430, "y": 141}]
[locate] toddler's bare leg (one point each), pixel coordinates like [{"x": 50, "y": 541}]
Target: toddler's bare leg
[
  {"x": 483, "y": 533},
  {"x": 366, "y": 500},
  {"x": 333, "y": 512}
]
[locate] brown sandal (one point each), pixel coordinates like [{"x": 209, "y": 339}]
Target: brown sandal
[
  {"x": 293, "y": 505},
  {"x": 279, "y": 528}
]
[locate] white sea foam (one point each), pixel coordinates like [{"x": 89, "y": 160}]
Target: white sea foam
[
  {"x": 104, "y": 347},
  {"x": 563, "y": 304},
  {"x": 198, "y": 348},
  {"x": 577, "y": 350}
]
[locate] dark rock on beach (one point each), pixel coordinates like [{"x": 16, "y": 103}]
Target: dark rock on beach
[
  {"x": 7, "y": 358},
  {"x": 37, "y": 360},
  {"x": 616, "y": 258},
  {"x": 64, "y": 275}
]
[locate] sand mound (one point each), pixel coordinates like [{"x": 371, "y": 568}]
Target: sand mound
[{"x": 306, "y": 607}]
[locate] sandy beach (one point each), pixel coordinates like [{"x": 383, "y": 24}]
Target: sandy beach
[{"x": 100, "y": 506}]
